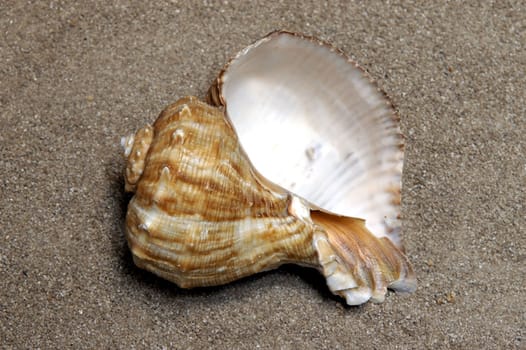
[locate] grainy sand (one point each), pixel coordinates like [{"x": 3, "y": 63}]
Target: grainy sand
[{"x": 75, "y": 76}]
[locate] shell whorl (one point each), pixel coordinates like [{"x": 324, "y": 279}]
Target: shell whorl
[
  {"x": 201, "y": 214},
  {"x": 136, "y": 148}
]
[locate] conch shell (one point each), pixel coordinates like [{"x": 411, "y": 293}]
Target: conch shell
[{"x": 203, "y": 215}]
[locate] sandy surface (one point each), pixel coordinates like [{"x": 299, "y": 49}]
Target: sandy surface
[{"x": 76, "y": 77}]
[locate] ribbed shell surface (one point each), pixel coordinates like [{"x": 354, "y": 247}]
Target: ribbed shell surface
[{"x": 201, "y": 214}]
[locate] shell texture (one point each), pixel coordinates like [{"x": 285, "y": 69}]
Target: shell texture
[
  {"x": 200, "y": 214},
  {"x": 299, "y": 144}
]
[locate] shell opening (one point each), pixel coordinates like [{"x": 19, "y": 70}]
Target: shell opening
[{"x": 312, "y": 122}]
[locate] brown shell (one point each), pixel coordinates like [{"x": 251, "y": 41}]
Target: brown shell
[{"x": 201, "y": 215}]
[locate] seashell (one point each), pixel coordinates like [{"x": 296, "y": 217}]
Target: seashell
[{"x": 298, "y": 145}]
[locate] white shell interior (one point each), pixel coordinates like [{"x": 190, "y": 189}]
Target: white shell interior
[{"x": 313, "y": 123}]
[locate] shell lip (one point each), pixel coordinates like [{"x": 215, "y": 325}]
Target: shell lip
[{"x": 216, "y": 98}]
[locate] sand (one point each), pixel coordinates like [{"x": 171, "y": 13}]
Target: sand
[{"x": 76, "y": 76}]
